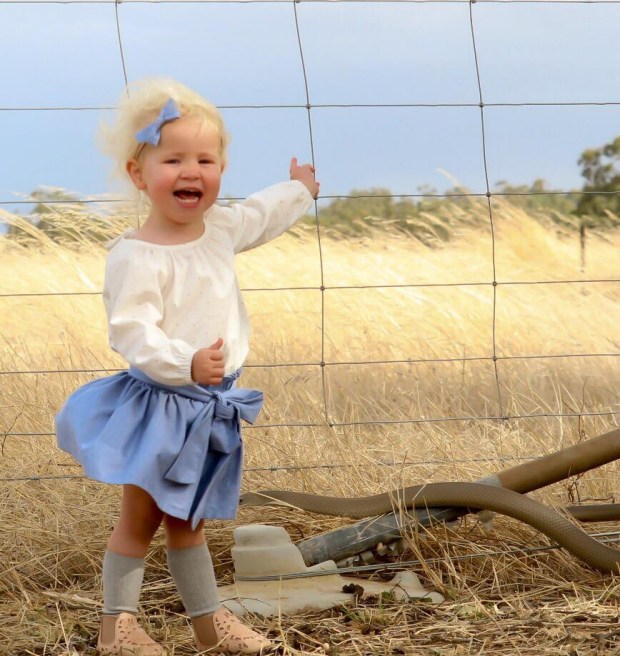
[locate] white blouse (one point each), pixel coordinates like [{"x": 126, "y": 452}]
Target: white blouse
[{"x": 166, "y": 302}]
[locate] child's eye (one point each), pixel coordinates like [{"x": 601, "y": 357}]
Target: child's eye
[
  {"x": 206, "y": 161},
  {"x": 172, "y": 161}
]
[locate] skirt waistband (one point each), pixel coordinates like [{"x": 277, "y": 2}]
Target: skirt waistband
[{"x": 197, "y": 392}]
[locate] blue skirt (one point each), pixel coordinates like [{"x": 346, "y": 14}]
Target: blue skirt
[{"x": 182, "y": 444}]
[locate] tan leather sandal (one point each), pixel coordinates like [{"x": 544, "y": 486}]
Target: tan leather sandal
[
  {"x": 234, "y": 637},
  {"x": 129, "y": 640}
]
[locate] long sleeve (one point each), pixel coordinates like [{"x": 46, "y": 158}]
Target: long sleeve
[
  {"x": 265, "y": 215},
  {"x": 134, "y": 305}
]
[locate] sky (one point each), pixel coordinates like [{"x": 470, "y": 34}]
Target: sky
[{"x": 67, "y": 55}]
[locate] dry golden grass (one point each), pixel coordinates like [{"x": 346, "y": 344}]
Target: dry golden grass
[{"x": 53, "y": 530}]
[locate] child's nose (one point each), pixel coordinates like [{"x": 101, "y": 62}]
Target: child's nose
[{"x": 190, "y": 171}]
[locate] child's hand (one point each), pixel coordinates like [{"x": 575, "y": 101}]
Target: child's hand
[
  {"x": 208, "y": 364},
  {"x": 305, "y": 174}
]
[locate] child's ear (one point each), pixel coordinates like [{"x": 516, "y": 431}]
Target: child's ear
[{"x": 135, "y": 173}]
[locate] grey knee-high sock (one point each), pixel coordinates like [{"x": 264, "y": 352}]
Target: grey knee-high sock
[
  {"x": 122, "y": 581},
  {"x": 192, "y": 571}
]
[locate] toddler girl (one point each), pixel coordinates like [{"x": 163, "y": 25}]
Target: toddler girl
[{"x": 168, "y": 428}]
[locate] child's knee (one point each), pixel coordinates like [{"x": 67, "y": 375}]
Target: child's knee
[
  {"x": 177, "y": 525},
  {"x": 143, "y": 523},
  {"x": 179, "y": 531},
  {"x": 151, "y": 522}
]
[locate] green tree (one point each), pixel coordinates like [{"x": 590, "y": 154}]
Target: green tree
[
  {"x": 433, "y": 218},
  {"x": 70, "y": 221},
  {"x": 598, "y": 167},
  {"x": 538, "y": 196},
  {"x": 47, "y": 211},
  {"x": 348, "y": 215}
]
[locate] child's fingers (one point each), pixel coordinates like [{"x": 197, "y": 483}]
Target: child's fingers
[{"x": 308, "y": 166}]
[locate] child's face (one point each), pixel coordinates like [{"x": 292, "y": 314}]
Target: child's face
[{"x": 182, "y": 174}]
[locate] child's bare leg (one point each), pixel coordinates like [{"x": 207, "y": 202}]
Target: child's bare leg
[
  {"x": 140, "y": 518},
  {"x": 124, "y": 560}
]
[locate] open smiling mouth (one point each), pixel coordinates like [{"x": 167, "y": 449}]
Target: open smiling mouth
[{"x": 188, "y": 196}]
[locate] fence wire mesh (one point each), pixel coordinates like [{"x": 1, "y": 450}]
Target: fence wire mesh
[{"x": 495, "y": 358}]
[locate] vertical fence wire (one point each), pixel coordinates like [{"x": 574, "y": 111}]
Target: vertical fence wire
[
  {"x": 316, "y": 214},
  {"x": 491, "y": 224}
]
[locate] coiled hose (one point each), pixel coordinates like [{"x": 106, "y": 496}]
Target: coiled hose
[{"x": 473, "y": 496}]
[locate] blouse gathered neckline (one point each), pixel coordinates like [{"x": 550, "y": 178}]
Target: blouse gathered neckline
[{"x": 125, "y": 237}]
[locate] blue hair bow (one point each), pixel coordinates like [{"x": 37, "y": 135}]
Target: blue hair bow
[{"x": 152, "y": 133}]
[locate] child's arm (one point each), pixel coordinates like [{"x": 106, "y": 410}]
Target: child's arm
[
  {"x": 265, "y": 215},
  {"x": 134, "y": 306}
]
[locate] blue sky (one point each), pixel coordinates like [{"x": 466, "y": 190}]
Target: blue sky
[{"x": 54, "y": 55}]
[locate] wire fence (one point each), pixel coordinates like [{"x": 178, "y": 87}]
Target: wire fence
[{"x": 495, "y": 358}]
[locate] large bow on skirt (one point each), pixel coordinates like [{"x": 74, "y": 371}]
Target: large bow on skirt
[{"x": 217, "y": 428}]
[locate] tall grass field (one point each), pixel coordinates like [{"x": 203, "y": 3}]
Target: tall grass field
[{"x": 408, "y": 331}]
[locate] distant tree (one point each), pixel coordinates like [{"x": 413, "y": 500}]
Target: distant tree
[
  {"x": 598, "y": 167},
  {"x": 349, "y": 215},
  {"x": 68, "y": 221},
  {"x": 44, "y": 212},
  {"x": 48, "y": 208},
  {"x": 538, "y": 196},
  {"x": 431, "y": 216},
  {"x": 376, "y": 202}
]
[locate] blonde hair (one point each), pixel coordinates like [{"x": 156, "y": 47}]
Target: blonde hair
[{"x": 141, "y": 106}]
